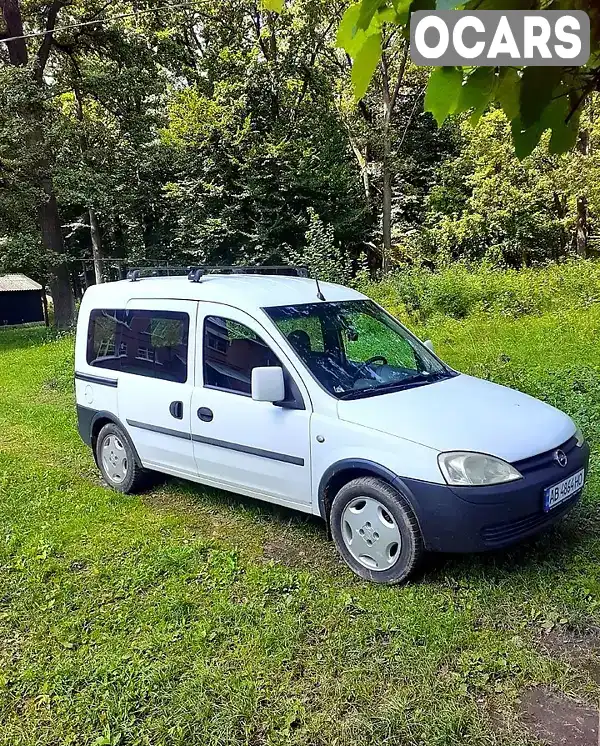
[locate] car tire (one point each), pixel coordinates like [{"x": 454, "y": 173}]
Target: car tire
[
  {"x": 118, "y": 462},
  {"x": 375, "y": 531}
]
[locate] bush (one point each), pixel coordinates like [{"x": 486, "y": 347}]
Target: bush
[
  {"x": 462, "y": 290},
  {"x": 324, "y": 257}
]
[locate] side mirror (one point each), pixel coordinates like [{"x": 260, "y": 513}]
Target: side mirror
[
  {"x": 268, "y": 384},
  {"x": 429, "y": 344}
]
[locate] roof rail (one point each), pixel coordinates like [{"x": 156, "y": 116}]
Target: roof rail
[
  {"x": 196, "y": 273},
  {"x": 137, "y": 273}
]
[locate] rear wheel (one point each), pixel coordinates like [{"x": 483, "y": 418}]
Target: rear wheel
[
  {"x": 116, "y": 458},
  {"x": 376, "y": 531}
]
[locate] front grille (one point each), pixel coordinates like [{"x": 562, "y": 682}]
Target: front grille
[
  {"x": 545, "y": 460},
  {"x": 505, "y": 533}
]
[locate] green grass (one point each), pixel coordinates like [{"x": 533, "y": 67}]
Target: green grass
[{"x": 188, "y": 616}]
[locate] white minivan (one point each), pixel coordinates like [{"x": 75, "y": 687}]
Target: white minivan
[{"x": 313, "y": 397}]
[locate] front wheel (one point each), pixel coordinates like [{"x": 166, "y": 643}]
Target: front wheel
[{"x": 375, "y": 531}]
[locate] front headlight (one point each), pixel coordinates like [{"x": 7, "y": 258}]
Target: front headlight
[
  {"x": 466, "y": 469},
  {"x": 579, "y": 437}
]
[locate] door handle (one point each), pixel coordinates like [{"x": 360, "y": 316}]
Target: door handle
[
  {"x": 176, "y": 409},
  {"x": 205, "y": 414}
]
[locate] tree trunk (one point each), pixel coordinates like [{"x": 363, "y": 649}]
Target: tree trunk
[
  {"x": 45, "y": 304},
  {"x": 96, "y": 246},
  {"x": 560, "y": 207},
  {"x": 387, "y": 200},
  {"x": 94, "y": 225},
  {"x": 390, "y": 98},
  {"x": 17, "y": 49},
  {"x": 60, "y": 286},
  {"x": 581, "y": 228},
  {"x": 583, "y": 142},
  {"x": 581, "y": 235}
]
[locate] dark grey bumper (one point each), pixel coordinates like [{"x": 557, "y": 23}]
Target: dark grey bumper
[{"x": 474, "y": 519}]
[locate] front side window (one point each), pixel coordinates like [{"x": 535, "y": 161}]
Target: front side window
[
  {"x": 362, "y": 351},
  {"x": 231, "y": 352},
  {"x": 146, "y": 343}
]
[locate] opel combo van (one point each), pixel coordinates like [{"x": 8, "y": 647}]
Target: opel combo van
[{"x": 312, "y": 396}]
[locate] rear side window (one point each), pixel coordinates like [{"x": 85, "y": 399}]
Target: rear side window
[
  {"x": 146, "y": 343},
  {"x": 231, "y": 352}
]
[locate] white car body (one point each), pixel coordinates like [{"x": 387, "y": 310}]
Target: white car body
[{"x": 284, "y": 455}]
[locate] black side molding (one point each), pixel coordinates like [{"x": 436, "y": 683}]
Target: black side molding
[
  {"x": 273, "y": 455},
  {"x": 112, "y": 382},
  {"x": 161, "y": 430}
]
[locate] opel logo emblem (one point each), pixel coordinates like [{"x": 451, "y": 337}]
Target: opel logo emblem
[{"x": 561, "y": 458}]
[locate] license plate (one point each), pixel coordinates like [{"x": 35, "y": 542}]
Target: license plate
[{"x": 562, "y": 491}]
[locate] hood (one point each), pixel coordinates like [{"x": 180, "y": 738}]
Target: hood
[{"x": 464, "y": 414}]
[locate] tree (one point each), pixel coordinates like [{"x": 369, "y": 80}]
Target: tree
[
  {"x": 489, "y": 204},
  {"x": 102, "y": 103},
  {"x": 110, "y": 167},
  {"x": 321, "y": 254},
  {"x": 398, "y": 151},
  {"x": 255, "y": 137},
  {"x": 24, "y": 127}
]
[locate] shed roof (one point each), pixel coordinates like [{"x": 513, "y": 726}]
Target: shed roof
[{"x": 11, "y": 283}]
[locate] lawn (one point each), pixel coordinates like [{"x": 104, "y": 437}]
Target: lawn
[{"x": 188, "y": 616}]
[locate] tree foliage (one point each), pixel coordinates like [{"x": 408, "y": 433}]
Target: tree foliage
[
  {"x": 534, "y": 99},
  {"x": 490, "y": 205},
  {"x": 244, "y": 132}
]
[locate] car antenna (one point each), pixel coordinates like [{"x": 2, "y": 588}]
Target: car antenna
[{"x": 320, "y": 295}]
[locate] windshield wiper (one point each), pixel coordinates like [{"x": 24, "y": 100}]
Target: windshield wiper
[
  {"x": 419, "y": 378},
  {"x": 406, "y": 383}
]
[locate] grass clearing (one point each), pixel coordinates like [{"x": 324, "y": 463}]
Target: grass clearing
[{"x": 188, "y": 616}]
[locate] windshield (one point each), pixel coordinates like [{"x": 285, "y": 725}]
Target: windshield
[{"x": 355, "y": 349}]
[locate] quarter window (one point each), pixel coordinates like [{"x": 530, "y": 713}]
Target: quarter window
[
  {"x": 145, "y": 343},
  {"x": 231, "y": 352}
]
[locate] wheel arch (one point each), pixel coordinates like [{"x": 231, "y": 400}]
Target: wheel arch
[
  {"x": 344, "y": 471},
  {"x": 99, "y": 420}
]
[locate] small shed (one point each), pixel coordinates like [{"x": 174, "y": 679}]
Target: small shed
[{"x": 21, "y": 300}]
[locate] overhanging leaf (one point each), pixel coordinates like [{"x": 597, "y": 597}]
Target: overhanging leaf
[
  {"x": 443, "y": 91},
  {"x": 564, "y": 136},
  {"x": 368, "y": 9},
  {"x": 525, "y": 139},
  {"x": 402, "y": 8},
  {"x": 537, "y": 86},
  {"x": 477, "y": 90},
  {"x": 385, "y": 15},
  {"x": 507, "y": 93},
  {"x": 349, "y": 37},
  {"x": 564, "y": 133},
  {"x": 422, "y": 5},
  {"x": 365, "y": 64}
]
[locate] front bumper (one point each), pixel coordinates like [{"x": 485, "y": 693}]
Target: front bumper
[{"x": 475, "y": 519}]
